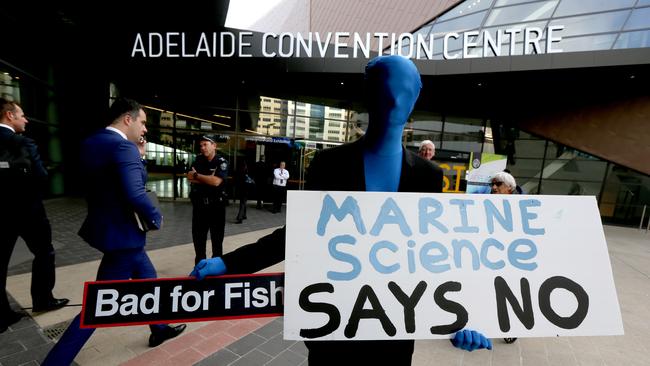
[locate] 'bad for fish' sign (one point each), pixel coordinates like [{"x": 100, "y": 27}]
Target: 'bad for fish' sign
[
  {"x": 152, "y": 301},
  {"x": 370, "y": 265}
]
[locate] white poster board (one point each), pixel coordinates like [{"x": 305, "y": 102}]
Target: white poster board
[
  {"x": 482, "y": 167},
  {"x": 372, "y": 265}
]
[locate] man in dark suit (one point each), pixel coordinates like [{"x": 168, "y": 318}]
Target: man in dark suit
[
  {"x": 376, "y": 162},
  {"x": 114, "y": 169},
  {"x": 22, "y": 176}
]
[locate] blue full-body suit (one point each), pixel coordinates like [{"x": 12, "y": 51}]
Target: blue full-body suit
[{"x": 393, "y": 86}]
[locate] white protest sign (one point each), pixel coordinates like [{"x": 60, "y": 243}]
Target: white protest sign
[{"x": 372, "y": 265}]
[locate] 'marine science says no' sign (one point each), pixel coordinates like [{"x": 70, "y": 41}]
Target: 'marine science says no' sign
[{"x": 370, "y": 265}]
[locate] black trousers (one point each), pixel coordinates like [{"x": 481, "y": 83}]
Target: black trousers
[
  {"x": 278, "y": 196},
  {"x": 241, "y": 214},
  {"x": 28, "y": 221},
  {"x": 208, "y": 217},
  {"x": 326, "y": 353}
]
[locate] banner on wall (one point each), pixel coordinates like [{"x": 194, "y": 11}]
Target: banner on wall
[
  {"x": 482, "y": 167},
  {"x": 376, "y": 265}
]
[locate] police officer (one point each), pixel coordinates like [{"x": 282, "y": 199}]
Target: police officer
[{"x": 208, "y": 177}]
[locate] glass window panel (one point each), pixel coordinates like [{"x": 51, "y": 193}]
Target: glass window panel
[
  {"x": 423, "y": 31},
  {"x": 519, "y": 36},
  {"x": 563, "y": 187},
  {"x": 558, "y": 151},
  {"x": 423, "y": 126},
  {"x": 529, "y": 148},
  {"x": 642, "y": 3},
  {"x": 505, "y": 40},
  {"x": 572, "y": 7},
  {"x": 525, "y": 170},
  {"x": 578, "y": 170},
  {"x": 463, "y": 134},
  {"x": 589, "y": 24},
  {"x": 358, "y": 125},
  {"x": 267, "y": 124},
  {"x": 587, "y": 43},
  {"x": 640, "y": 18},
  {"x": 521, "y": 13},
  {"x": 510, "y": 2},
  {"x": 633, "y": 40},
  {"x": 467, "y": 7},
  {"x": 625, "y": 192},
  {"x": 459, "y": 25}
]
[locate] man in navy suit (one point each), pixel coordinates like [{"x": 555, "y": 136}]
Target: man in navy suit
[
  {"x": 23, "y": 214},
  {"x": 114, "y": 169}
]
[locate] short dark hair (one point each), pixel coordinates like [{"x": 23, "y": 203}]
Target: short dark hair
[
  {"x": 7, "y": 106},
  {"x": 122, "y": 106}
]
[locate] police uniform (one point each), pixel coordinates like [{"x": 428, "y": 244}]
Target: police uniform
[{"x": 209, "y": 207}]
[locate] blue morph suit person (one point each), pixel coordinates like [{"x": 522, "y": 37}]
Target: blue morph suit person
[{"x": 376, "y": 162}]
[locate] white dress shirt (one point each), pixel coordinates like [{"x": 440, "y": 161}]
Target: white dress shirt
[{"x": 280, "y": 177}]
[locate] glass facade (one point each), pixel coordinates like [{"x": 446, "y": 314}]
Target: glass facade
[
  {"x": 588, "y": 25},
  {"x": 292, "y": 130}
]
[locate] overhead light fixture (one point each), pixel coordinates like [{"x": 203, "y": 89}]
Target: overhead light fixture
[
  {"x": 154, "y": 108},
  {"x": 251, "y": 131},
  {"x": 221, "y": 116}
]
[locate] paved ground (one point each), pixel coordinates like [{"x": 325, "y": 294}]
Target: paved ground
[{"x": 259, "y": 341}]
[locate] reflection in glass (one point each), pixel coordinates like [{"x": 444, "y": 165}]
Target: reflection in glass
[
  {"x": 459, "y": 24},
  {"x": 467, "y": 7},
  {"x": 572, "y": 7},
  {"x": 625, "y": 192},
  {"x": 640, "y": 18},
  {"x": 589, "y": 24},
  {"x": 521, "y": 13},
  {"x": 587, "y": 43},
  {"x": 511, "y": 2},
  {"x": 463, "y": 134},
  {"x": 633, "y": 39}
]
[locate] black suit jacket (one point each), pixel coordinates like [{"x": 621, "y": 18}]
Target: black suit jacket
[
  {"x": 341, "y": 169},
  {"x": 336, "y": 169},
  {"x": 30, "y": 187}
]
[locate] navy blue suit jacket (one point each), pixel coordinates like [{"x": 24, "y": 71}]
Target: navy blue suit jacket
[{"x": 115, "y": 179}]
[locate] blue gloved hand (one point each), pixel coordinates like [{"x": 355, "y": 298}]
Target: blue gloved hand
[
  {"x": 470, "y": 340},
  {"x": 208, "y": 267}
]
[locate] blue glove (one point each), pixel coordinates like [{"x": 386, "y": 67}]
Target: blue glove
[
  {"x": 208, "y": 267},
  {"x": 470, "y": 340}
]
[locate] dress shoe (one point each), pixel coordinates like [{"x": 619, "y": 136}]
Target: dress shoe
[
  {"x": 238, "y": 222},
  {"x": 52, "y": 304},
  {"x": 156, "y": 339},
  {"x": 10, "y": 318}
]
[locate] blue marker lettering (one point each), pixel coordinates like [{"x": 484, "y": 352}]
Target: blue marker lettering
[
  {"x": 491, "y": 212},
  {"x": 462, "y": 207},
  {"x": 515, "y": 257},
  {"x": 430, "y": 217},
  {"x": 384, "y": 244},
  {"x": 429, "y": 261},
  {"x": 343, "y": 257},
  {"x": 385, "y": 217},
  {"x": 527, "y": 216},
  {"x": 349, "y": 207}
]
